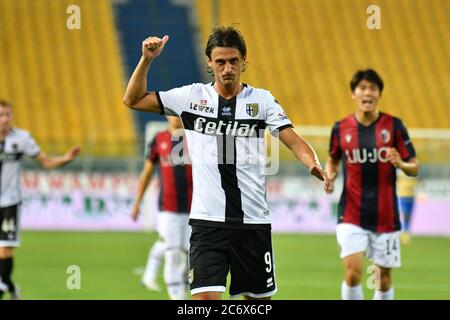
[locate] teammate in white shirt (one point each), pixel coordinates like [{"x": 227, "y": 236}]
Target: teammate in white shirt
[
  {"x": 224, "y": 124},
  {"x": 15, "y": 143}
]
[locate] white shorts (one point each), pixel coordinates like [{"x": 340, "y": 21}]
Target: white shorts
[
  {"x": 383, "y": 249},
  {"x": 174, "y": 229}
]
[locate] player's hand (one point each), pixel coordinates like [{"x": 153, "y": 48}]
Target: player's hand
[
  {"x": 135, "y": 213},
  {"x": 394, "y": 157},
  {"x": 72, "y": 153},
  {"x": 321, "y": 174},
  {"x": 153, "y": 46}
]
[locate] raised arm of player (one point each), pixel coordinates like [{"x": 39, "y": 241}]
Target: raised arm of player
[
  {"x": 51, "y": 162},
  {"x": 306, "y": 154},
  {"x": 332, "y": 169},
  {"x": 136, "y": 96},
  {"x": 144, "y": 180},
  {"x": 410, "y": 167}
]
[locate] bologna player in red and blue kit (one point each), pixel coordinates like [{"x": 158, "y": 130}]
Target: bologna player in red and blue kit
[
  {"x": 166, "y": 150},
  {"x": 372, "y": 145}
]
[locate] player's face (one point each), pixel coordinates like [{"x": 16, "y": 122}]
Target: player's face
[
  {"x": 226, "y": 64},
  {"x": 174, "y": 122},
  {"x": 366, "y": 96},
  {"x": 5, "y": 118}
]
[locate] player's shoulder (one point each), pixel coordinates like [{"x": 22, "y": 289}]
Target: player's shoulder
[
  {"x": 264, "y": 93},
  {"x": 389, "y": 116},
  {"x": 396, "y": 120},
  {"x": 199, "y": 86},
  {"x": 348, "y": 120},
  {"x": 20, "y": 133},
  {"x": 195, "y": 85},
  {"x": 261, "y": 95},
  {"x": 186, "y": 88},
  {"x": 162, "y": 134},
  {"x": 198, "y": 89}
]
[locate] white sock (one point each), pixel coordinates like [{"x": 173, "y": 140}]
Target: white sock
[
  {"x": 351, "y": 293},
  {"x": 154, "y": 261},
  {"x": 177, "y": 291},
  {"x": 174, "y": 273},
  {"x": 380, "y": 295}
]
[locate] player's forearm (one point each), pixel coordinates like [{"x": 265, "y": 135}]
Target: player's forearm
[
  {"x": 144, "y": 180},
  {"x": 332, "y": 168},
  {"x": 137, "y": 86},
  {"x": 410, "y": 168},
  {"x": 54, "y": 162},
  {"x": 305, "y": 153}
]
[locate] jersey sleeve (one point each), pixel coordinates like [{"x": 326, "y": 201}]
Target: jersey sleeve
[
  {"x": 403, "y": 143},
  {"x": 152, "y": 151},
  {"x": 173, "y": 102},
  {"x": 334, "y": 149},
  {"x": 276, "y": 118},
  {"x": 31, "y": 148}
]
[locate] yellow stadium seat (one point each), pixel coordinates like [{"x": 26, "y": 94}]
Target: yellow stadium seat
[
  {"x": 65, "y": 88},
  {"x": 305, "y": 52}
]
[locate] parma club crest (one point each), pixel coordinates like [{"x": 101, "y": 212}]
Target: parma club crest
[{"x": 252, "y": 109}]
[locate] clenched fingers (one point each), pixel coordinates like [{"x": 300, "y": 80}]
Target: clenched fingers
[{"x": 153, "y": 43}]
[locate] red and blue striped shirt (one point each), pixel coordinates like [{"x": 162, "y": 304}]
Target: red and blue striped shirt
[
  {"x": 369, "y": 197},
  {"x": 175, "y": 176}
]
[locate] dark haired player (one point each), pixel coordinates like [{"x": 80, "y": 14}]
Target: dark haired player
[{"x": 372, "y": 145}]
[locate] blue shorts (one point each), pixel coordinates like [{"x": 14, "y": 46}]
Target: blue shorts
[{"x": 406, "y": 204}]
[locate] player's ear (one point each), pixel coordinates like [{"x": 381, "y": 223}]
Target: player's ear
[
  {"x": 244, "y": 63},
  {"x": 209, "y": 66}
]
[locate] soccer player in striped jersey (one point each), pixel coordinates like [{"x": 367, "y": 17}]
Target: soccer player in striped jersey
[
  {"x": 167, "y": 151},
  {"x": 224, "y": 124},
  {"x": 371, "y": 144},
  {"x": 14, "y": 144}
]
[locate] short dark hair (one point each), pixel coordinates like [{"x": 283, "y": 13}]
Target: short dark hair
[
  {"x": 226, "y": 37},
  {"x": 369, "y": 75},
  {"x": 5, "y": 103}
]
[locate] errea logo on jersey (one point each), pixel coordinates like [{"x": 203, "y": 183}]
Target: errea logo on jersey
[
  {"x": 229, "y": 128},
  {"x": 365, "y": 155}
]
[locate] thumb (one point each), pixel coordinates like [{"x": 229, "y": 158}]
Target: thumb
[
  {"x": 316, "y": 172},
  {"x": 76, "y": 150},
  {"x": 164, "y": 40}
]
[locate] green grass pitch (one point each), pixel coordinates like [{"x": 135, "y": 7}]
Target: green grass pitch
[{"x": 307, "y": 266}]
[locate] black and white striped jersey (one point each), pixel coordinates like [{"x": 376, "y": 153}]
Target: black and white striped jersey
[
  {"x": 17, "y": 143},
  {"x": 226, "y": 143}
]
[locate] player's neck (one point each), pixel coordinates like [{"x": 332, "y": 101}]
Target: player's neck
[
  {"x": 228, "y": 92},
  {"x": 4, "y": 133},
  {"x": 367, "y": 118},
  {"x": 172, "y": 129}
]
